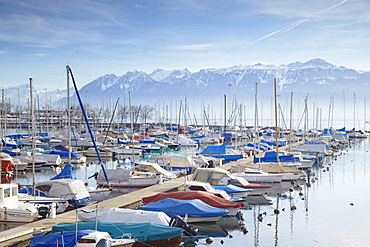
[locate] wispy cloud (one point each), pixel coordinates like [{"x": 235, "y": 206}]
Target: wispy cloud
[
  {"x": 295, "y": 24},
  {"x": 192, "y": 47},
  {"x": 39, "y": 54}
]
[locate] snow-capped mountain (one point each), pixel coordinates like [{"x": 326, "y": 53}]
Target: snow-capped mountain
[
  {"x": 21, "y": 94},
  {"x": 315, "y": 77}
]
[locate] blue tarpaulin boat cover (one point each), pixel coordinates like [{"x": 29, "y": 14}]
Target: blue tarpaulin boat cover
[
  {"x": 17, "y": 136},
  {"x": 65, "y": 173},
  {"x": 64, "y": 154},
  {"x": 11, "y": 153},
  {"x": 194, "y": 208},
  {"x": 12, "y": 145},
  {"x": 220, "y": 153},
  {"x": 65, "y": 239},
  {"x": 141, "y": 231},
  {"x": 221, "y": 149},
  {"x": 229, "y": 188},
  {"x": 270, "y": 156},
  {"x": 61, "y": 148}
]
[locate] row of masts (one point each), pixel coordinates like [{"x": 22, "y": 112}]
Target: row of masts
[{"x": 164, "y": 114}]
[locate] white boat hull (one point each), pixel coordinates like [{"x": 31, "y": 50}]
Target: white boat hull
[
  {"x": 18, "y": 215},
  {"x": 256, "y": 178}
]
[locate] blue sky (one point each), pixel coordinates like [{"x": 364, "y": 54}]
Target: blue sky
[{"x": 96, "y": 37}]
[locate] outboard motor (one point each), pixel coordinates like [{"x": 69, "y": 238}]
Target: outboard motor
[
  {"x": 95, "y": 176},
  {"x": 43, "y": 211},
  {"x": 177, "y": 221}
]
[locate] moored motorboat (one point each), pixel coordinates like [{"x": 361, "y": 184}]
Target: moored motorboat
[
  {"x": 84, "y": 238},
  {"x": 127, "y": 178},
  {"x": 97, "y": 239},
  {"x": 146, "y": 234},
  {"x": 123, "y": 215},
  {"x": 218, "y": 176},
  {"x": 71, "y": 190},
  {"x": 134, "y": 216},
  {"x": 258, "y": 176},
  {"x": 275, "y": 168},
  {"x": 12, "y": 210},
  {"x": 191, "y": 185},
  {"x": 193, "y": 210},
  {"x": 234, "y": 191},
  {"x": 212, "y": 200}
]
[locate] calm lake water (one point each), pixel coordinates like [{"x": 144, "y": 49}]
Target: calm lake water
[{"x": 332, "y": 211}]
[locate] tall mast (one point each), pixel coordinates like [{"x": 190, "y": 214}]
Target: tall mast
[
  {"x": 291, "y": 116},
  {"x": 276, "y": 123},
  {"x": 69, "y": 118},
  {"x": 256, "y": 134},
  {"x": 132, "y": 126},
  {"x": 33, "y": 140}
]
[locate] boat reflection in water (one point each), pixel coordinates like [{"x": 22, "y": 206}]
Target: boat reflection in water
[{"x": 220, "y": 230}]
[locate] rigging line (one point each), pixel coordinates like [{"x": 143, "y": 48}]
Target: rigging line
[
  {"x": 282, "y": 116},
  {"x": 111, "y": 120}
]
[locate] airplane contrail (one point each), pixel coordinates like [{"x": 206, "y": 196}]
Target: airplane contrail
[{"x": 295, "y": 24}]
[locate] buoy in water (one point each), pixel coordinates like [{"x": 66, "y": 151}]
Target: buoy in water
[
  {"x": 260, "y": 217},
  {"x": 293, "y": 207},
  {"x": 210, "y": 240},
  {"x": 276, "y": 211}
]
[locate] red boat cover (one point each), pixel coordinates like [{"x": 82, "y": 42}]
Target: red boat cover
[
  {"x": 206, "y": 197},
  {"x": 6, "y": 165}
]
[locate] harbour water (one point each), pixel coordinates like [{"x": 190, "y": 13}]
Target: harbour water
[{"x": 331, "y": 210}]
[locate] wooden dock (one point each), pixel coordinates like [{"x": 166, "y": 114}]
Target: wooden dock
[{"x": 20, "y": 236}]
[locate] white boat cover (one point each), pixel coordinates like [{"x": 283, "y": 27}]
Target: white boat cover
[
  {"x": 154, "y": 167},
  {"x": 124, "y": 215},
  {"x": 64, "y": 188}
]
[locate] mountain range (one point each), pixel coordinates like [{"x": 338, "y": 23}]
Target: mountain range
[{"x": 316, "y": 78}]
